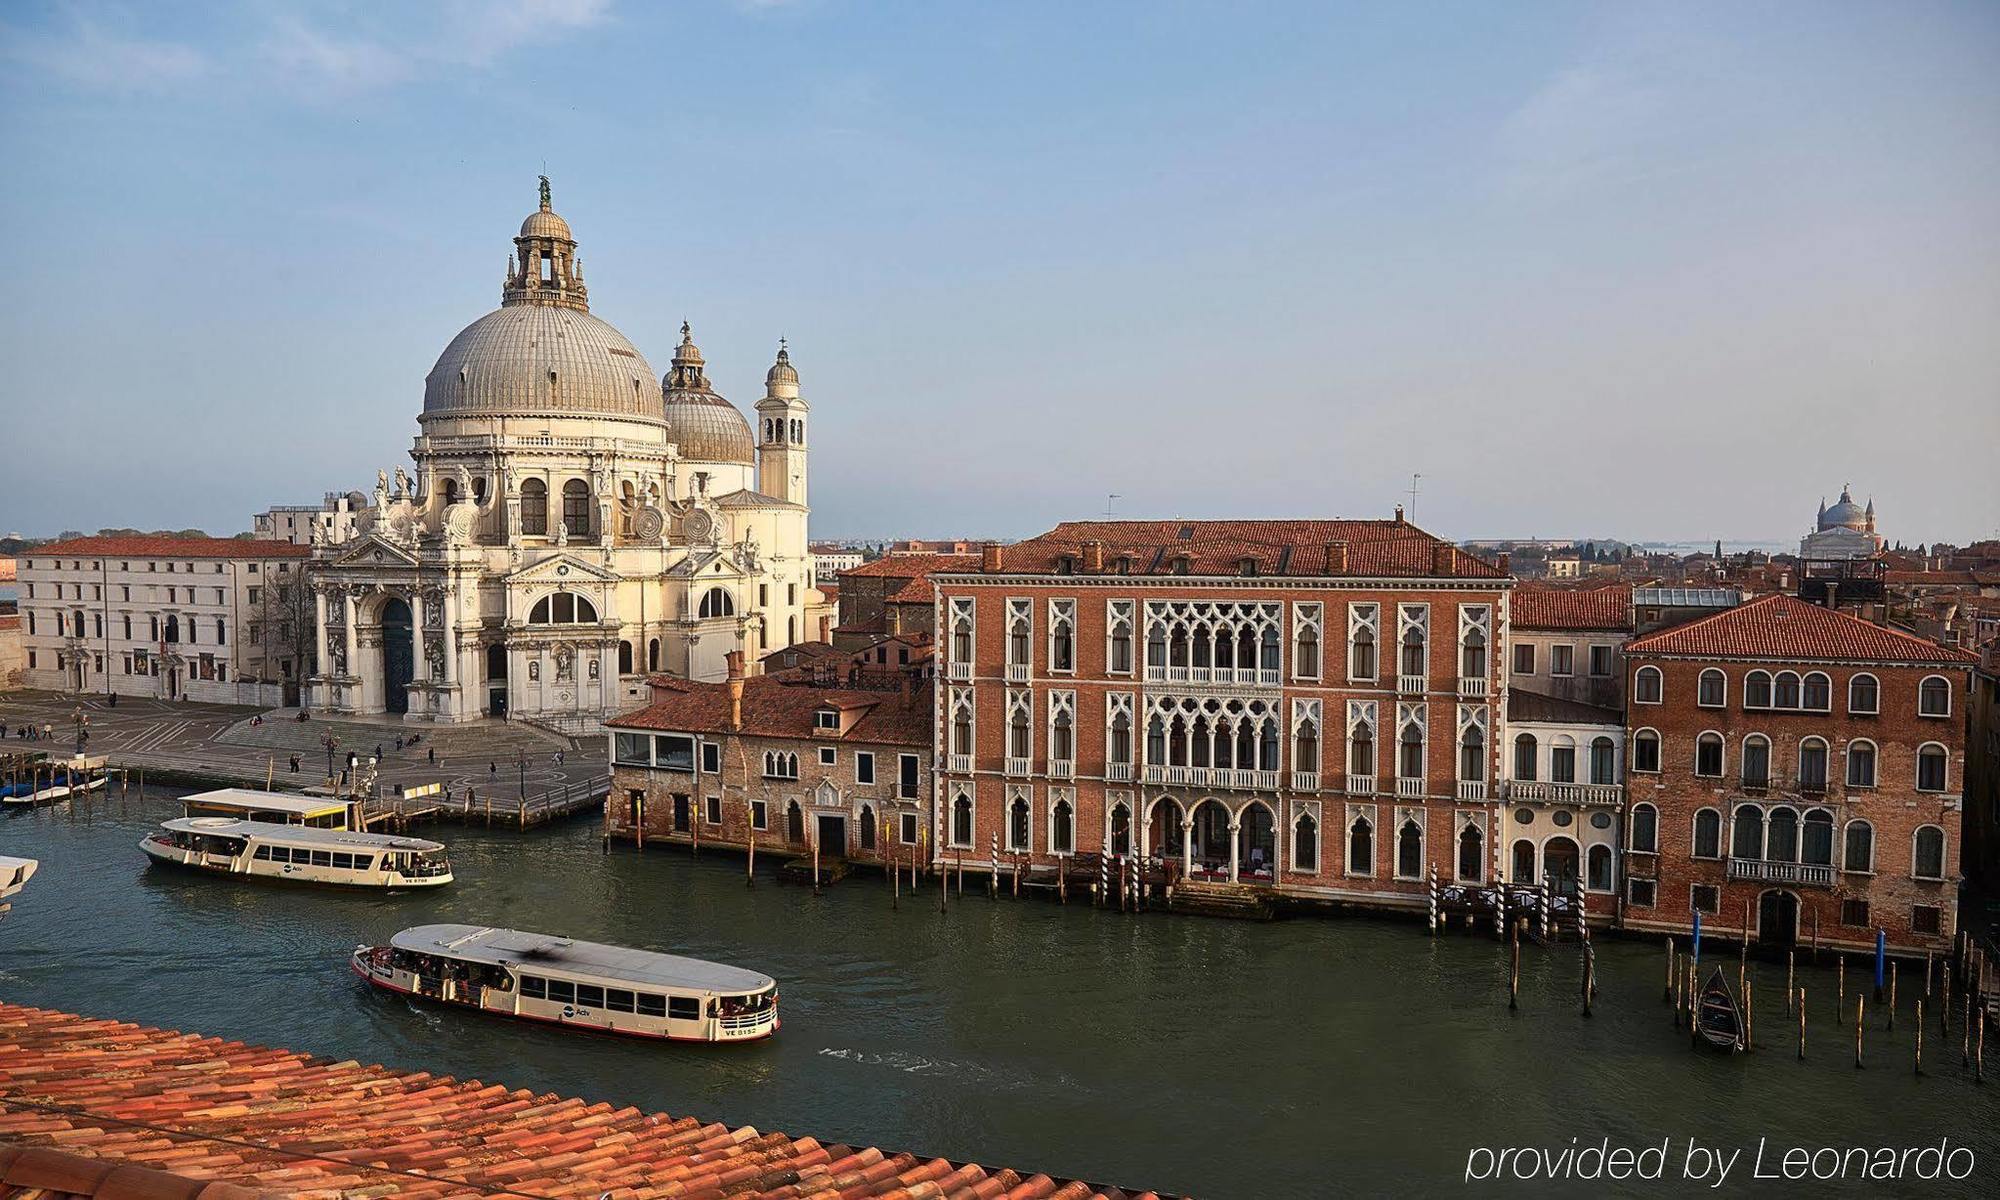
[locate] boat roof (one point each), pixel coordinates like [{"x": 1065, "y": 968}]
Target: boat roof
[
  {"x": 248, "y": 798},
  {"x": 622, "y": 964},
  {"x": 297, "y": 835},
  {"x": 9, "y": 864}
]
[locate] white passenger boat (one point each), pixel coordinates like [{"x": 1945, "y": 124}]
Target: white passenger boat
[
  {"x": 298, "y": 853},
  {"x": 585, "y": 985},
  {"x": 277, "y": 808},
  {"x": 15, "y": 873}
]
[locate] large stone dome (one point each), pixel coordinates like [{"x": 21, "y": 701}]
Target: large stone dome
[{"x": 542, "y": 360}]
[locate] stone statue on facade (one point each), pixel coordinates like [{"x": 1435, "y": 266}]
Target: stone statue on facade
[{"x": 403, "y": 485}]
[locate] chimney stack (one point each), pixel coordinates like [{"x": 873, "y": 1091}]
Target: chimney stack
[
  {"x": 735, "y": 660},
  {"x": 1504, "y": 558},
  {"x": 1444, "y": 559},
  {"x": 1336, "y": 558},
  {"x": 1093, "y": 556},
  {"x": 989, "y": 558},
  {"x": 1399, "y": 514}
]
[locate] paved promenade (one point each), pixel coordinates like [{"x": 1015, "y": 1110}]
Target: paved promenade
[{"x": 226, "y": 742}]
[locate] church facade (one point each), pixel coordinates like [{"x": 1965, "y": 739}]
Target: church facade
[
  {"x": 1847, "y": 530},
  {"x": 573, "y": 521}
]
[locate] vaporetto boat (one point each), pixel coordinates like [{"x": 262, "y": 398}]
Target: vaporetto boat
[
  {"x": 586, "y": 985},
  {"x": 15, "y": 874},
  {"x": 298, "y": 853}
]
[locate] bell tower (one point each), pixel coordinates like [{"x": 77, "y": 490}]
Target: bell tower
[
  {"x": 781, "y": 432},
  {"x": 545, "y": 268}
]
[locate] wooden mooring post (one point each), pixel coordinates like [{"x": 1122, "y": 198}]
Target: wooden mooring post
[
  {"x": 1860, "y": 1009},
  {"x": 1514, "y": 976},
  {"x": 1892, "y": 995},
  {"x": 1802, "y": 1024},
  {"x": 1668, "y": 993},
  {"x": 1918, "y": 1053},
  {"x": 1749, "y": 1017},
  {"x": 1840, "y": 999},
  {"x": 1789, "y": 996},
  {"x": 750, "y": 863}
]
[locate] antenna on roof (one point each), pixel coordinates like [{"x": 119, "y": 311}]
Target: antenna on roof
[
  {"x": 1413, "y": 496},
  {"x": 1110, "y": 500}
]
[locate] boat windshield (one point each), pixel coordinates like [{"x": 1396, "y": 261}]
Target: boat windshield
[
  {"x": 738, "y": 1006},
  {"x": 203, "y": 843},
  {"x": 419, "y": 864}
]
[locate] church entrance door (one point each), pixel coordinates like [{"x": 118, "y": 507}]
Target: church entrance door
[{"x": 399, "y": 657}]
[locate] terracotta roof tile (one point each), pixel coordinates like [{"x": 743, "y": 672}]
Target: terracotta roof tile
[
  {"x": 782, "y": 705},
  {"x": 912, "y": 566},
  {"x": 165, "y": 547},
  {"x": 1788, "y": 629},
  {"x": 1284, "y": 548},
  {"x": 1602, "y": 608}
]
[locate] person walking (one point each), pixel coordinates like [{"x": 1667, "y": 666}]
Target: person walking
[{"x": 432, "y": 755}]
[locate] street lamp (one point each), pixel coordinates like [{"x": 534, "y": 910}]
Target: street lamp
[
  {"x": 522, "y": 762},
  {"x": 82, "y": 723},
  {"x": 331, "y": 743}
]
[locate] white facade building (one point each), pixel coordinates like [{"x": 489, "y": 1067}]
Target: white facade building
[
  {"x": 334, "y": 517},
  {"x": 573, "y": 522},
  {"x": 1847, "y": 530},
  {"x": 196, "y": 619}
]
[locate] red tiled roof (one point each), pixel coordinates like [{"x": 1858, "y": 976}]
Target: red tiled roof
[
  {"x": 285, "y": 1121},
  {"x": 1789, "y": 629},
  {"x": 167, "y": 547},
  {"x": 1375, "y": 549},
  {"x": 913, "y": 566},
  {"x": 1608, "y": 608},
  {"x": 782, "y": 705},
  {"x": 916, "y": 591}
]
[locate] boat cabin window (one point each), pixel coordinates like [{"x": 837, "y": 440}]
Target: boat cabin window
[
  {"x": 562, "y": 991},
  {"x": 684, "y": 1008},
  {"x": 589, "y": 995},
  {"x": 533, "y": 987},
  {"x": 321, "y": 858},
  {"x": 263, "y": 852},
  {"x": 618, "y": 1000},
  {"x": 652, "y": 1006}
]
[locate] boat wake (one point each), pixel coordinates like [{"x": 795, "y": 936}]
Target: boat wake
[{"x": 915, "y": 1064}]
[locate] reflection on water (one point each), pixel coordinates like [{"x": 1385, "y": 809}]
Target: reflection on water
[{"x": 1213, "y": 1057}]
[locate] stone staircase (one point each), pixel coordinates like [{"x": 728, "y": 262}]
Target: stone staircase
[{"x": 1240, "y": 901}]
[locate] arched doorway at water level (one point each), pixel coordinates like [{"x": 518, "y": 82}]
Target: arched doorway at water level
[{"x": 1777, "y": 919}]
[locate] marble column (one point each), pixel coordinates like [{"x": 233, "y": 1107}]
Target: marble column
[
  {"x": 351, "y": 612},
  {"x": 1235, "y": 840}
]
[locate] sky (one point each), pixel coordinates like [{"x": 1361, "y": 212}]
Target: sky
[{"x": 1645, "y": 271}]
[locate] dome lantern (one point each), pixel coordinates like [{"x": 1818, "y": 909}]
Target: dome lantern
[{"x": 545, "y": 268}]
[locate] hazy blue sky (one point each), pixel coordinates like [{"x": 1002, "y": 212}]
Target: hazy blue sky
[{"x": 1645, "y": 271}]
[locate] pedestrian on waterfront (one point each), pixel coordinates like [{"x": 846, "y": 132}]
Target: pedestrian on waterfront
[
  {"x": 295, "y": 764},
  {"x": 378, "y": 751},
  {"x": 491, "y": 770},
  {"x": 48, "y": 732},
  {"x": 399, "y": 744},
  {"x": 432, "y": 755}
]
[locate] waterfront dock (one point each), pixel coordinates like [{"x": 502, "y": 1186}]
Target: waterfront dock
[{"x": 288, "y": 1121}]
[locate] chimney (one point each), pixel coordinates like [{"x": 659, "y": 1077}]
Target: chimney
[
  {"x": 1336, "y": 558},
  {"x": 825, "y": 628},
  {"x": 1093, "y": 556},
  {"x": 989, "y": 558},
  {"x": 735, "y": 660},
  {"x": 909, "y": 688},
  {"x": 1444, "y": 559},
  {"x": 1399, "y": 514},
  {"x": 1504, "y": 557}
]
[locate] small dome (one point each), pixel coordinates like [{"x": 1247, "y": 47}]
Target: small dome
[
  {"x": 708, "y": 429},
  {"x": 1846, "y": 513},
  {"x": 545, "y": 224},
  {"x": 782, "y": 370}
]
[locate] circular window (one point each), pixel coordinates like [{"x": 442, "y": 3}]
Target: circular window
[
  {"x": 1600, "y": 820},
  {"x": 1563, "y": 819},
  {"x": 1525, "y": 816}
]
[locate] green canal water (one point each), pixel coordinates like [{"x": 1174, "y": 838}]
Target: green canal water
[{"x": 1221, "y": 1059}]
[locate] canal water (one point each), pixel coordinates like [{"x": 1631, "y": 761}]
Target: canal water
[{"x": 1296, "y": 1059}]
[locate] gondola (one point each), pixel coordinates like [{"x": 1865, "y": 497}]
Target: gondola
[{"x": 1718, "y": 1021}]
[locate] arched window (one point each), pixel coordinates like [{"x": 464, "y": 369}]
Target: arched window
[
  {"x": 1062, "y": 644},
  {"x": 576, "y": 508},
  {"x": 653, "y": 654},
  {"x": 1156, "y": 740},
  {"x": 1934, "y": 697},
  {"x": 1859, "y": 854},
  {"x": 1018, "y": 737},
  {"x": 1747, "y": 840},
  {"x": 1305, "y": 747},
  {"x": 450, "y": 490},
  {"x": 1267, "y": 650},
  {"x": 1473, "y": 656},
  {"x": 961, "y": 731},
  {"x": 1562, "y": 759},
  {"x": 1713, "y": 690},
  {"x": 1361, "y": 752},
  {"x": 1062, "y": 738},
  {"x": 1472, "y": 754},
  {"x": 1019, "y": 827},
  {"x": 1788, "y": 690},
  {"x": 1816, "y": 839},
  {"x": 1932, "y": 759},
  {"x": 173, "y": 628},
  {"x": 1648, "y": 686},
  {"x": 1646, "y": 751},
  {"x": 624, "y": 658},
  {"x": 1524, "y": 758},
  {"x": 1781, "y": 838},
  {"x": 1928, "y": 859},
  {"x": 1707, "y": 833},
  {"x": 1305, "y": 843},
  {"x": 1410, "y": 851},
  {"x": 1410, "y": 753},
  {"x": 961, "y": 821},
  {"x": 1756, "y": 761},
  {"x": 1603, "y": 761},
  {"x": 1471, "y": 854},
  {"x": 1645, "y": 828},
  {"x": 1864, "y": 695},
  {"x": 562, "y": 608},
  {"x": 1361, "y": 847},
  {"x": 1757, "y": 689},
  {"x": 1818, "y": 694},
  {"x": 1598, "y": 877},
  {"x": 1413, "y": 652},
  {"x": 1305, "y": 654},
  {"x": 795, "y": 822},
  {"x": 1861, "y": 763},
  {"x": 1361, "y": 654},
  {"x": 1524, "y": 861},
  {"x": 1062, "y": 828},
  {"x": 1121, "y": 829},
  {"x": 867, "y": 835},
  {"x": 717, "y": 602},
  {"x": 1708, "y": 756},
  {"x": 1812, "y": 764},
  {"x": 1267, "y": 746}
]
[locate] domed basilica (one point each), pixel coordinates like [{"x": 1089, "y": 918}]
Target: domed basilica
[
  {"x": 1847, "y": 530},
  {"x": 573, "y": 523}
]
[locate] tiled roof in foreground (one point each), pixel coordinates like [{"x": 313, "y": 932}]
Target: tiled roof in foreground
[
  {"x": 169, "y": 547},
  {"x": 284, "y": 1121},
  {"x": 1285, "y": 548},
  {"x": 1790, "y": 630}
]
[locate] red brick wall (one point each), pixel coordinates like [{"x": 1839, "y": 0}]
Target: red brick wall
[{"x": 1894, "y": 807}]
